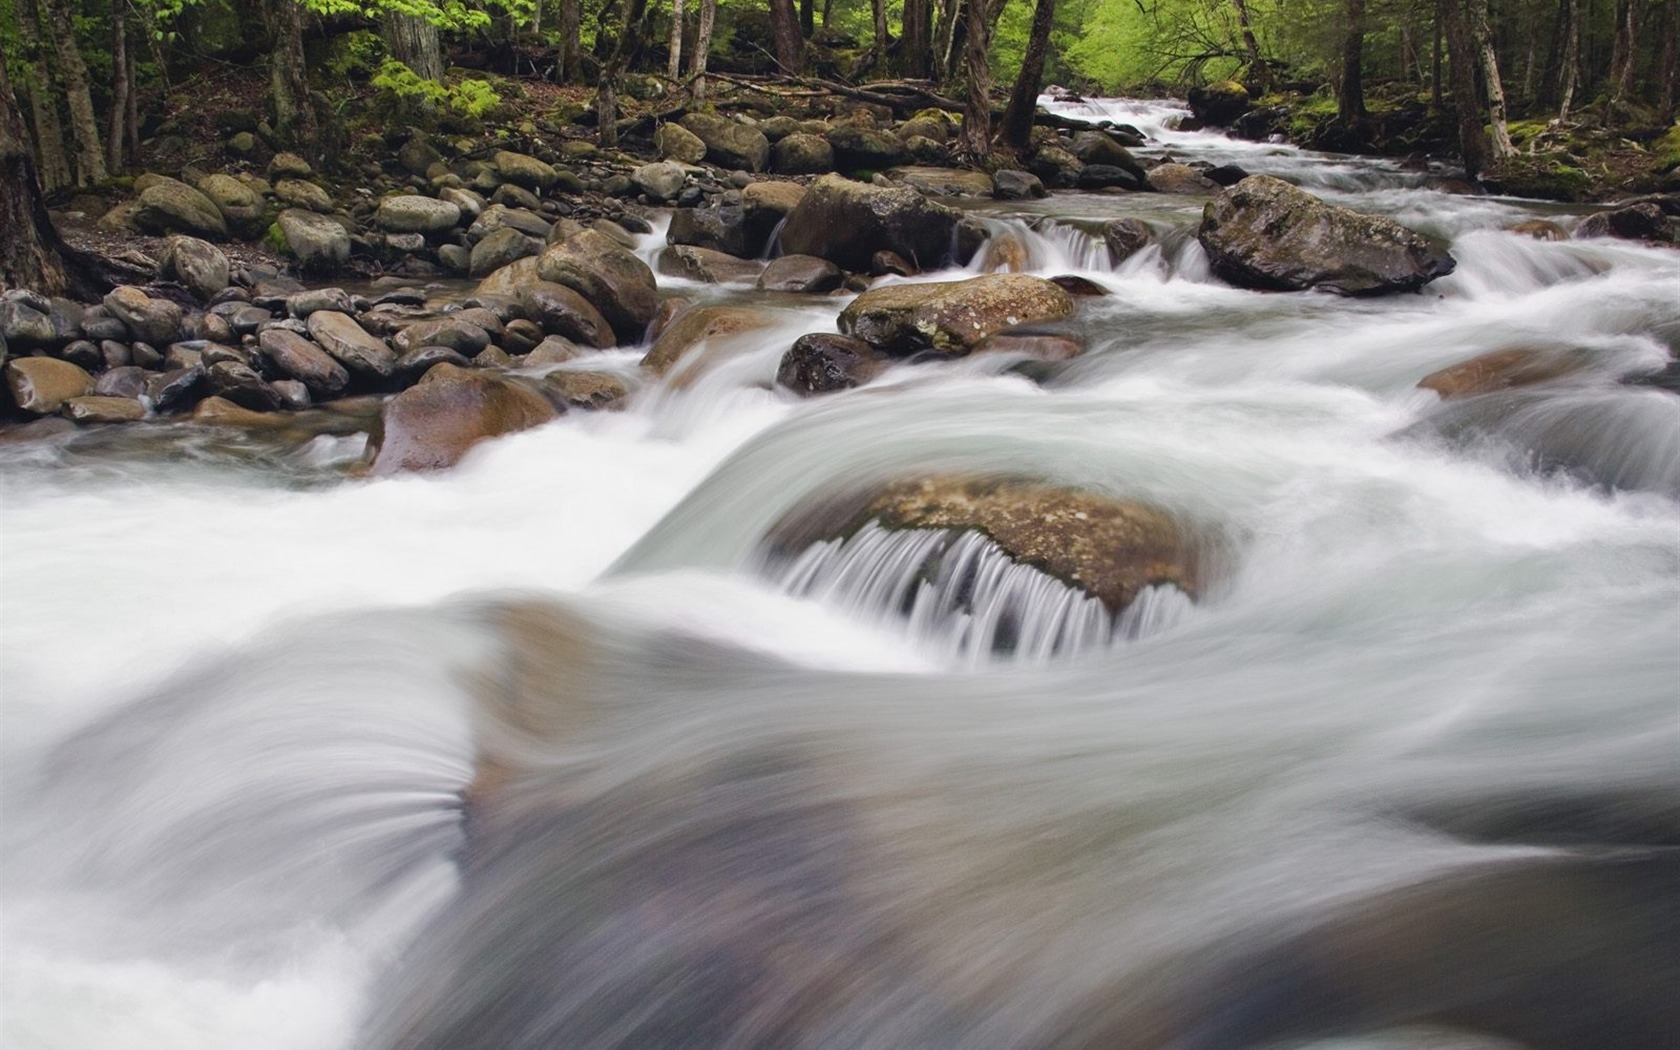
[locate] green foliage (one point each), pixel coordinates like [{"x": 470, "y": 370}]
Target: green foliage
[
  {"x": 468, "y": 97},
  {"x": 357, "y": 53}
]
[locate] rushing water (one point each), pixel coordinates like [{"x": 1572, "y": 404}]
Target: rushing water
[{"x": 1410, "y": 767}]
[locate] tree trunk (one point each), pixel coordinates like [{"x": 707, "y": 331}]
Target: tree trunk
[
  {"x": 610, "y": 31},
  {"x": 31, "y": 254},
  {"x": 1667, "y": 60},
  {"x": 1258, "y": 71},
  {"x": 1501, "y": 137},
  {"x": 121, "y": 85},
  {"x": 294, "y": 113},
  {"x": 673, "y": 66},
  {"x": 570, "y": 57},
  {"x": 702, "y": 47},
  {"x": 1461, "y": 61},
  {"x": 1622, "y": 50},
  {"x": 807, "y": 17},
  {"x": 414, "y": 42},
  {"x": 879, "y": 10},
  {"x": 784, "y": 24},
  {"x": 977, "y": 113},
  {"x": 1023, "y": 100},
  {"x": 915, "y": 36},
  {"x": 1571, "y": 62},
  {"x": 73, "y": 77},
  {"x": 951, "y": 14},
  {"x": 51, "y": 160},
  {"x": 1350, "y": 98},
  {"x": 1435, "y": 99}
]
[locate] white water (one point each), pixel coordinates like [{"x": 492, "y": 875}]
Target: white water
[{"x": 1426, "y": 606}]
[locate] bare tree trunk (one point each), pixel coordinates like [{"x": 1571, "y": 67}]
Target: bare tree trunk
[
  {"x": 1435, "y": 98},
  {"x": 1016, "y": 131},
  {"x": 31, "y": 254},
  {"x": 51, "y": 160},
  {"x": 1501, "y": 136},
  {"x": 1258, "y": 70},
  {"x": 132, "y": 122},
  {"x": 1461, "y": 60},
  {"x": 1571, "y": 57},
  {"x": 1667, "y": 61},
  {"x": 1350, "y": 97},
  {"x": 879, "y": 10},
  {"x": 294, "y": 113},
  {"x": 73, "y": 77},
  {"x": 951, "y": 13},
  {"x": 807, "y": 17},
  {"x": 702, "y": 47},
  {"x": 414, "y": 42},
  {"x": 977, "y": 112},
  {"x": 610, "y": 31},
  {"x": 1622, "y": 50},
  {"x": 121, "y": 85},
  {"x": 784, "y": 24},
  {"x": 673, "y": 67},
  {"x": 915, "y": 32},
  {"x": 570, "y": 58}
]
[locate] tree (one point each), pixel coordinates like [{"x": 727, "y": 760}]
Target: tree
[
  {"x": 915, "y": 37},
  {"x": 702, "y": 48},
  {"x": 784, "y": 24},
  {"x": 570, "y": 65},
  {"x": 414, "y": 41},
  {"x": 1503, "y": 149},
  {"x": 673, "y": 67},
  {"x": 31, "y": 253},
  {"x": 977, "y": 112},
  {"x": 1350, "y": 97},
  {"x": 1472, "y": 141},
  {"x": 1023, "y": 100},
  {"x": 73, "y": 78},
  {"x": 294, "y": 113}
]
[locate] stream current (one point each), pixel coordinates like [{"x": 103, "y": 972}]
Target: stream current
[{"x": 1407, "y": 776}]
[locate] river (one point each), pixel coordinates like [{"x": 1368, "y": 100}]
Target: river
[{"x": 1410, "y": 770}]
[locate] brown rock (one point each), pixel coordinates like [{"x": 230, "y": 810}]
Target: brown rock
[
  {"x": 41, "y": 385},
  {"x": 588, "y": 390},
  {"x": 1501, "y": 370},
  {"x": 562, "y": 311},
  {"x": 700, "y": 324},
  {"x": 297, "y": 357},
  {"x": 104, "y": 409},
  {"x": 346, "y": 340},
  {"x": 432, "y": 424},
  {"x": 609, "y": 276},
  {"x": 951, "y": 317},
  {"x": 822, "y": 362},
  {"x": 1541, "y": 230},
  {"x": 706, "y": 265}
]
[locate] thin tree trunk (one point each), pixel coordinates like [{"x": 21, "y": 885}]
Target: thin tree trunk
[
  {"x": 1461, "y": 61},
  {"x": 1501, "y": 135},
  {"x": 915, "y": 33},
  {"x": 879, "y": 9},
  {"x": 1667, "y": 61},
  {"x": 1435, "y": 97},
  {"x": 1571, "y": 63},
  {"x": 673, "y": 67},
  {"x": 1016, "y": 131},
  {"x": 702, "y": 47},
  {"x": 1531, "y": 59},
  {"x": 131, "y": 122},
  {"x": 73, "y": 76},
  {"x": 828, "y": 9},
  {"x": 570, "y": 57},
  {"x": 784, "y": 25},
  {"x": 1350, "y": 98},
  {"x": 1258, "y": 71},
  {"x": 294, "y": 112},
  {"x": 414, "y": 42},
  {"x": 610, "y": 31},
  {"x": 51, "y": 160},
  {"x": 31, "y": 254},
  {"x": 1622, "y": 45},
  {"x": 977, "y": 113},
  {"x": 807, "y": 17},
  {"x": 945, "y": 39},
  {"x": 121, "y": 86}
]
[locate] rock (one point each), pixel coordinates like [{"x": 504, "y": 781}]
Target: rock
[
  {"x": 615, "y": 231},
  {"x": 348, "y": 342},
  {"x": 926, "y": 151},
  {"x": 800, "y": 273},
  {"x": 241, "y": 207},
  {"x": 1038, "y": 345},
  {"x": 944, "y": 182},
  {"x": 1079, "y": 287},
  {"x": 241, "y": 384},
  {"x": 198, "y": 265},
  {"x": 521, "y": 336},
  {"x": 289, "y": 166},
  {"x": 171, "y": 206},
  {"x": 1501, "y": 370},
  {"x": 555, "y": 350},
  {"x": 302, "y": 304},
  {"x": 409, "y": 243},
  {"x": 432, "y": 424},
  {"x": 607, "y": 274},
  {"x": 1639, "y": 222},
  {"x": 95, "y": 409},
  {"x": 778, "y": 127},
  {"x": 695, "y": 325},
  {"x": 1180, "y": 178},
  {"x": 1264, "y": 233},
  {"x": 41, "y": 385},
  {"x": 122, "y": 381},
  {"x": 509, "y": 279},
  {"x": 500, "y": 217},
  {"x": 847, "y": 222},
  {"x": 669, "y": 309},
  {"x": 85, "y": 354},
  {"x": 728, "y": 144},
  {"x": 523, "y": 170},
  {"x": 802, "y": 154},
  {"x": 1102, "y": 176},
  {"x": 175, "y": 388},
  {"x": 675, "y": 142},
  {"x": 1009, "y": 185},
  {"x": 560, "y": 310},
  {"x": 515, "y": 197},
  {"x": 719, "y": 229},
  {"x": 1541, "y": 230},
  {"x": 294, "y": 396},
  {"x": 1125, "y": 238},
  {"x": 857, "y": 147},
  {"x": 471, "y": 204},
  {"x": 1056, "y": 166},
  {"x": 24, "y": 327},
  {"x": 1226, "y": 174},
  {"x": 417, "y": 155},
  {"x": 221, "y": 412},
  {"x": 455, "y": 332},
  {"x": 318, "y": 243},
  {"x": 951, "y": 317},
  {"x": 414, "y": 214},
  {"x": 1109, "y": 547},
  {"x": 418, "y": 361},
  {"x": 705, "y": 265},
  {"x": 148, "y": 319},
  {"x": 763, "y": 207},
  {"x": 293, "y": 355},
  {"x": 661, "y": 180},
  {"x": 300, "y": 193},
  {"x": 820, "y": 363},
  {"x": 1220, "y": 103},
  {"x": 1006, "y": 253},
  {"x": 1097, "y": 147},
  {"x": 587, "y": 390},
  {"x": 501, "y": 247},
  {"x": 925, "y": 125},
  {"x": 492, "y": 357},
  {"x": 884, "y": 263}
]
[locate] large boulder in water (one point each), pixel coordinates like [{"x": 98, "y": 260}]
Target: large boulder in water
[
  {"x": 433, "y": 423},
  {"x": 609, "y": 276},
  {"x": 1264, "y": 233},
  {"x": 697, "y": 325},
  {"x": 847, "y": 222},
  {"x": 951, "y": 317},
  {"x": 1219, "y": 103}
]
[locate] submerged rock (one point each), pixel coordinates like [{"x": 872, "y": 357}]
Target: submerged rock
[
  {"x": 1264, "y": 233},
  {"x": 951, "y": 317},
  {"x": 434, "y": 423},
  {"x": 1502, "y": 370}
]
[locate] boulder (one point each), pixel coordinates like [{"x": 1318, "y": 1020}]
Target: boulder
[
  {"x": 301, "y": 193},
  {"x": 858, "y": 147},
  {"x": 122, "y": 381},
  {"x": 289, "y": 166},
  {"x": 1010, "y": 185},
  {"x": 802, "y": 154},
  {"x": 1125, "y": 238},
  {"x": 561, "y": 311},
  {"x": 417, "y": 155},
  {"x": 198, "y": 265},
  {"x": 500, "y": 248},
  {"x": 22, "y": 326},
  {"x": 351, "y": 344},
  {"x": 240, "y": 383},
  {"x": 1541, "y": 230},
  {"x": 822, "y": 362},
  {"x": 1219, "y": 103},
  {"x": 293, "y": 355},
  {"x": 847, "y": 222},
  {"x": 951, "y": 317},
  {"x": 1097, "y": 147},
  {"x": 526, "y": 171},
  {"x": 675, "y": 142},
  {"x": 41, "y": 385},
  {"x": 1637, "y": 222},
  {"x": 302, "y": 304},
  {"x": 1180, "y": 178},
  {"x": 1264, "y": 233},
  {"x": 587, "y": 390},
  {"x": 705, "y": 265},
  {"x": 1056, "y": 166},
  {"x": 242, "y": 208},
  {"x": 417, "y": 362},
  {"x": 607, "y": 274},
  {"x": 432, "y": 424},
  {"x": 458, "y": 333},
  {"x": 1006, "y": 253},
  {"x": 175, "y": 388},
  {"x": 694, "y": 326},
  {"x": 763, "y": 207},
  {"x": 721, "y": 228},
  {"x": 99, "y": 409},
  {"x": 216, "y": 411},
  {"x": 662, "y": 180},
  {"x": 171, "y": 206},
  {"x": 1102, "y": 176},
  {"x": 554, "y": 350},
  {"x": 800, "y": 273},
  {"x": 1502, "y": 370},
  {"x": 509, "y": 279},
  {"x": 500, "y": 217},
  {"x": 728, "y": 144},
  {"x": 147, "y": 319},
  {"x": 410, "y": 213},
  {"x": 944, "y": 182},
  {"x": 1037, "y": 344},
  {"x": 319, "y": 244}
]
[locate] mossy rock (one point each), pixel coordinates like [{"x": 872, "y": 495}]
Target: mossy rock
[
  {"x": 1545, "y": 177},
  {"x": 1667, "y": 150}
]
